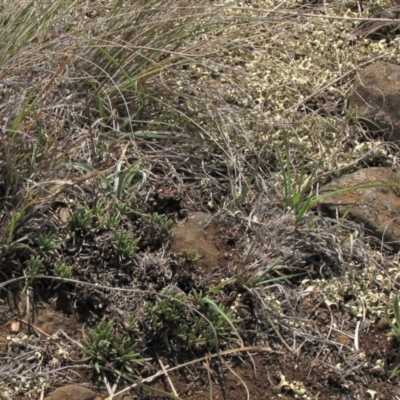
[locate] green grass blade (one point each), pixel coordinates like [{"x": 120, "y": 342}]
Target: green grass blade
[
  {"x": 126, "y": 178},
  {"x": 279, "y": 278},
  {"x": 218, "y": 309}
]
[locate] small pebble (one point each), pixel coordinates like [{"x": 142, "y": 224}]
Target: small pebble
[
  {"x": 382, "y": 324},
  {"x": 342, "y": 339}
]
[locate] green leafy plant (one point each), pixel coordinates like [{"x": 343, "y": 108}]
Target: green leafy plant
[
  {"x": 110, "y": 221},
  {"x": 119, "y": 184},
  {"x": 131, "y": 324},
  {"x": 253, "y": 276},
  {"x": 10, "y": 239},
  {"x": 192, "y": 255},
  {"x": 80, "y": 219},
  {"x": 194, "y": 321},
  {"x": 107, "y": 213},
  {"x": 162, "y": 220},
  {"x": 167, "y": 308},
  {"x": 297, "y": 187},
  {"x": 35, "y": 264},
  {"x": 126, "y": 243},
  {"x": 61, "y": 270},
  {"x": 14, "y": 220},
  {"x": 125, "y": 209},
  {"x": 111, "y": 349},
  {"x": 123, "y": 180},
  {"x": 220, "y": 317},
  {"x": 47, "y": 243}
]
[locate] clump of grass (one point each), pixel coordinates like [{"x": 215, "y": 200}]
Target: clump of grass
[
  {"x": 62, "y": 270},
  {"x": 162, "y": 220},
  {"x": 125, "y": 243},
  {"x": 47, "y": 242},
  {"x": 81, "y": 219},
  {"x": 111, "y": 349},
  {"x": 101, "y": 80},
  {"x": 192, "y": 255},
  {"x": 297, "y": 185},
  {"x": 35, "y": 266},
  {"x": 110, "y": 221},
  {"x": 194, "y": 321},
  {"x": 118, "y": 184}
]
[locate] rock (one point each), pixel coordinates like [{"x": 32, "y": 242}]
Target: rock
[
  {"x": 378, "y": 30},
  {"x": 376, "y": 98},
  {"x": 382, "y": 324},
  {"x": 72, "y": 392},
  {"x": 342, "y": 339},
  {"x": 197, "y": 233},
  {"x": 378, "y": 208}
]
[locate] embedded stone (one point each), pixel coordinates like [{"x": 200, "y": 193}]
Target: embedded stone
[
  {"x": 377, "y": 207},
  {"x": 197, "y": 233},
  {"x": 376, "y": 99},
  {"x": 72, "y": 392}
]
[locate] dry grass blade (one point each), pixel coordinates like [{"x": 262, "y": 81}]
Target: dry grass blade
[
  {"x": 210, "y": 356},
  {"x": 165, "y": 372}
]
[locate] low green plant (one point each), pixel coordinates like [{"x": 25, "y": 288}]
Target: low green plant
[
  {"x": 126, "y": 243},
  {"x": 110, "y": 221},
  {"x": 253, "y": 277},
  {"x": 162, "y": 220},
  {"x": 297, "y": 187},
  {"x": 119, "y": 184},
  {"x": 111, "y": 349},
  {"x": 167, "y": 308},
  {"x": 125, "y": 209},
  {"x": 12, "y": 227},
  {"x": 80, "y": 219},
  {"x": 107, "y": 213},
  {"x": 35, "y": 264},
  {"x": 62, "y": 270},
  {"x": 193, "y": 321},
  {"x": 10, "y": 240},
  {"x": 47, "y": 243},
  {"x": 123, "y": 180},
  {"x": 192, "y": 255},
  {"x": 395, "y": 330},
  {"x": 221, "y": 319},
  {"x": 131, "y": 324}
]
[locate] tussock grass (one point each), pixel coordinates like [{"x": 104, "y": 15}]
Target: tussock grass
[{"x": 75, "y": 81}]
